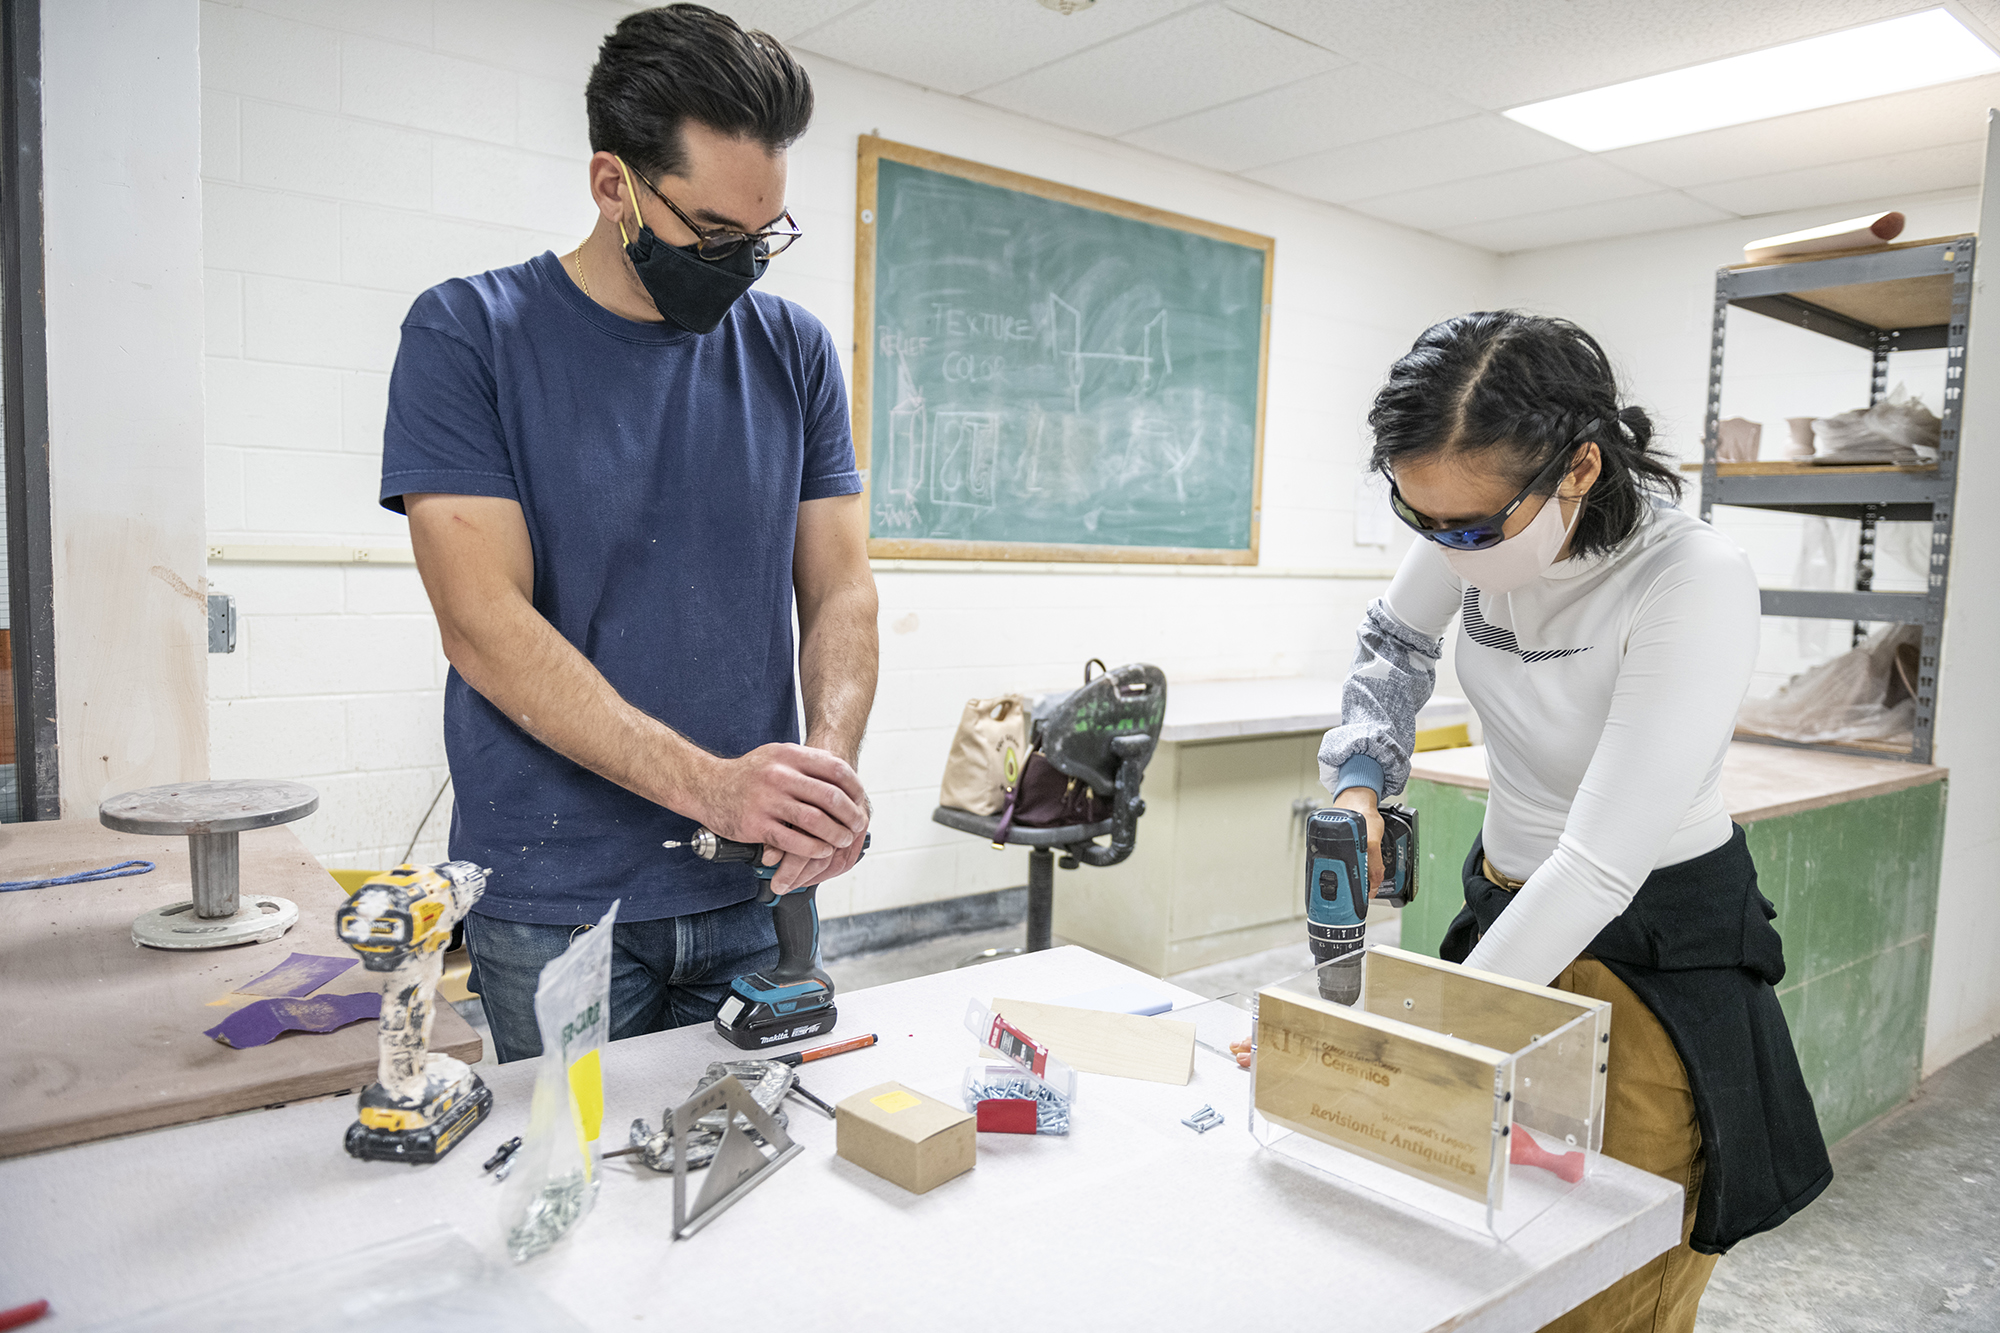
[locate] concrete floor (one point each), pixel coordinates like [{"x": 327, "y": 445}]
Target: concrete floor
[{"x": 1906, "y": 1237}]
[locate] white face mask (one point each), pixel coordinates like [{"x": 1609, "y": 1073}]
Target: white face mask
[{"x": 1520, "y": 559}]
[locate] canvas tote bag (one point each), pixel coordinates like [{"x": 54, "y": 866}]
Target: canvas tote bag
[{"x": 987, "y": 755}]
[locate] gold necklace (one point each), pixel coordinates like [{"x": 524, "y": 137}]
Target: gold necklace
[{"x": 577, "y": 259}]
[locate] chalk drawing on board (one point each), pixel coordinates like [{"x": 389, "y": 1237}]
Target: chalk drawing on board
[
  {"x": 1066, "y": 330},
  {"x": 903, "y": 478},
  {"x": 966, "y": 454}
]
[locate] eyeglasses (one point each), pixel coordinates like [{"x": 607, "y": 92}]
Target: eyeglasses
[
  {"x": 720, "y": 243},
  {"x": 1481, "y": 533}
]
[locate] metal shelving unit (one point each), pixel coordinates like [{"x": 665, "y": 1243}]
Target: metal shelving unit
[{"x": 1906, "y": 297}]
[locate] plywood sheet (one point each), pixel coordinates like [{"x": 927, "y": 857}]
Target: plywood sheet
[
  {"x": 1424, "y": 1106},
  {"x": 100, "y": 1037},
  {"x": 1758, "y": 781},
  {"x": 1159, "y": 1050}
]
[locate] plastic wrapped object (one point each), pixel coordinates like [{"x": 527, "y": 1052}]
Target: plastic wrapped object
[
  {"x": 556, "y": 1173},
  {"x": 1031, "y": 1074},
  {"x": 1800, "y": 447},
  {"x": 1899, "y": 430},
  {"x": 1042, "y": 1109},
  {"x": 1738, "y": 440},
  {"x": 1865, "y": 694},
  {"x": 1815, "y": 571},
  {"x": 430, "y": 1281}
]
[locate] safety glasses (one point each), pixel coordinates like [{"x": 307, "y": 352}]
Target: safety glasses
[
  {"x": 1481, "y": 533},
  {"x": 713, "y": 244}
]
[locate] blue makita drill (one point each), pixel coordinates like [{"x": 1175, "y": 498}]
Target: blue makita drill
[
  {"x": 794, "y": 999},
  {"x": 1337, "y": 888}
]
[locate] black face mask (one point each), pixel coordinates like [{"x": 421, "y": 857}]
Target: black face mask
[{"x": 690, "y": 291}]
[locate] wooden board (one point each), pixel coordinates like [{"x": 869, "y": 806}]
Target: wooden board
[
  {"x": 1427, "y": 1107},
  {"x": 101, "y": 1037},
  {"x": 1758, "y": 781},
  {"x": 1158, "y": 1050}
]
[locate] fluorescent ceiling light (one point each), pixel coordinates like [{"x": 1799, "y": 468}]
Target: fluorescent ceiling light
[{"x": 1914, "y": 51}]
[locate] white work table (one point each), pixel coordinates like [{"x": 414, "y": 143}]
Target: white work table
[{"x": 1133, "y": 1221}]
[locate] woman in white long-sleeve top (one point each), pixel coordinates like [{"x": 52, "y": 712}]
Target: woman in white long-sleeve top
[{"x": 1605, "y": 640}]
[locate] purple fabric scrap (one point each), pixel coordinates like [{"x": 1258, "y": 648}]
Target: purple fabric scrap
[
  {"x": 301, "y": 974},
  {"x": 265, "y": 1020}
]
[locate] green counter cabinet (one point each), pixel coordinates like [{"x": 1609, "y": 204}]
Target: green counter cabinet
[{"x": 1855, "y": 883}]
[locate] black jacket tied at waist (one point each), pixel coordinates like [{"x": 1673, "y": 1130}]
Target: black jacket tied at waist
[{"x": 1697, "y": 946}]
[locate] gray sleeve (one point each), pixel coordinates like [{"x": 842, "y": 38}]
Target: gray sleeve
[{"x": 1395, "y": 669}]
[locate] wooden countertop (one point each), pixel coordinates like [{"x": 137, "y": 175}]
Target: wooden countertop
[
  {"x": 100, "y": 1037},
  {"x": 1758, "y": 781},
  {"x": 1209, "y": 710}
]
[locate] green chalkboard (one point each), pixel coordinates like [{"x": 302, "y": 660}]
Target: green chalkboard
[{"x": 1043, "y": 373}]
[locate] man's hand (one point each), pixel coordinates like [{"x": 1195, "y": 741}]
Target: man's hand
[
  {"x": 1362, "y": 801},
  {"x": 803, "y": 804}
]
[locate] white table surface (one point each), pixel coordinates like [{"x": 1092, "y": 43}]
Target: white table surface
[{"x": 1133, "y": 1221}]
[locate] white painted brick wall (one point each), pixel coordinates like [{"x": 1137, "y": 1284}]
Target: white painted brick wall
[{"x": 358, "y": 151}]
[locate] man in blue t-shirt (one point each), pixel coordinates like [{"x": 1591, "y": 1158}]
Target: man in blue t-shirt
[{"x": 620, "y": 468}]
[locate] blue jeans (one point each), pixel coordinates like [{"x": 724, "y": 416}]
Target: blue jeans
[{"x": 664, "y": 974}]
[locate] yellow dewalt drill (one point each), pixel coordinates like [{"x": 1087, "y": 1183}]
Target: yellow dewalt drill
[{"x": 422, "y": 1102}]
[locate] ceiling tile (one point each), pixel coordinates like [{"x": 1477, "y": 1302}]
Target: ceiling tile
[
  {"x": 1452, "y": 151},
  {"x": 960, "y": 45},
  {"x": 1617, "y": 217},
  {"x": 1877, "y": 127},
  {"x": 1538, "y": 189},
  {"x": 1198, "y": 59},
  {"x": 783, "y": 19},
  {"x": 1502, "y": 53},
  {"x": 1346, "y": 106},
  {"x": 1945, "y": 167}
]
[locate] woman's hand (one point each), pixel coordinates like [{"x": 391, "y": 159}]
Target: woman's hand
[{"x": 1362, "y": 801}]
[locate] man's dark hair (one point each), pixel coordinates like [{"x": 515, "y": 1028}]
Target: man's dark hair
[
  {"x": 660, "y": 68},
  {"x": 1521, "y": 387}
]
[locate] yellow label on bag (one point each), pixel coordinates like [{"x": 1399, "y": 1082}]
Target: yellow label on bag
[
  {"x": 893, "y": 1102},
  {"x": 586, "y": 1087}
]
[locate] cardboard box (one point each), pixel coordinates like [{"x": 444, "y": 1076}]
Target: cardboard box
[{"x": 904, "y": 1137}]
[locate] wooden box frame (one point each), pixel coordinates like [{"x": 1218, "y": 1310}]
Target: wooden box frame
[{"x": 1435, "y": 1107}]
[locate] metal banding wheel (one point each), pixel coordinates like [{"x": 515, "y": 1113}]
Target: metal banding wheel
[{"x": 210, "y": 815}]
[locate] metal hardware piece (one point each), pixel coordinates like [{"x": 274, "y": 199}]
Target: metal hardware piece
[
  {"x": 221, "y": 623},
  {"x": 1205, "y": 1119}
]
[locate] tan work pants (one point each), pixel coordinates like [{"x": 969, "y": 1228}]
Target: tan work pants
[{"x": 1649, "y": 1122}]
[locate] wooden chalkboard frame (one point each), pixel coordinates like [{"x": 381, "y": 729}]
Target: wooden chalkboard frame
[{"x": 872, "y": 151}]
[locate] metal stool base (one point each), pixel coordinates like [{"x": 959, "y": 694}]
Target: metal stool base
[{"x": 261, "y": 918}]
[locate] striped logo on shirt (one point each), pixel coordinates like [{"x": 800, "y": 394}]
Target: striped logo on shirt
[{"x": 1493, "y": 636}]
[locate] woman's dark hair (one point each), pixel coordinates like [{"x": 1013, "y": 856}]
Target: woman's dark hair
[
  {"x": 660, "y": 68},
  {"x": 1522, "y": 387}
]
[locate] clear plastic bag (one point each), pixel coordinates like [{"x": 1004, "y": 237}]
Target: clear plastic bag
[
  {"x": 1815, "y": 571},
  {"x": 1865, "y": 694},
  {"x": 556, "y": 1176},
  {"x": 1899, "y": 429}
]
